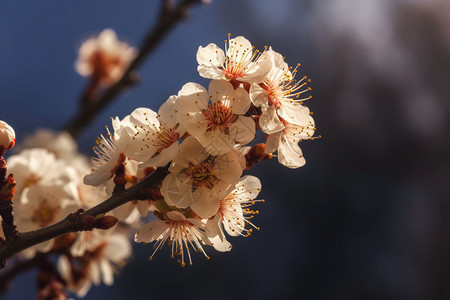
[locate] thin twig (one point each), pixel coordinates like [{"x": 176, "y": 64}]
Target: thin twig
[
  {"x": 73, "y": 222},
  {"x": 168, "y": 18}
]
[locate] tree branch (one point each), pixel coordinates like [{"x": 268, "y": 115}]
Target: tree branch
[
  {"x": 168, "y": 18},
  {"x": 74, "y": 221}
]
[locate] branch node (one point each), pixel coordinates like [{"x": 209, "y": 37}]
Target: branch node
[{"x": 82, "y": 221}]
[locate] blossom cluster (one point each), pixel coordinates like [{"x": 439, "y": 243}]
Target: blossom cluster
[
  {"x": 48, "y": 170},
  {"x": 204, "y": 136}
]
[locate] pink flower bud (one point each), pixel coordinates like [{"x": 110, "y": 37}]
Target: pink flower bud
[{"x": 7, "y": 136}]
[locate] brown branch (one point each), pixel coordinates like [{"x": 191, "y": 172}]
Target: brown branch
[
  {"x": 76, "y": 221},
  {"x": 169, "y": 17},
  {"x": 7, "y": 188}
]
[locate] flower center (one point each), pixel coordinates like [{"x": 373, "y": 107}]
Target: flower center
[
  {"x": 44, "y": 215},
  {"x": 165, "y": 139},
  {"x": 282, "y": 87},
  {"x": 103, "y": 64},
  {"x": 32, "y": 179},
  {"x": 218, "y": 115},
  {"x": 202, "y": 174}
]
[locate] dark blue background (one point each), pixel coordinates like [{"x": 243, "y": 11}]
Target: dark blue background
[{"x": 366, "y": 218}]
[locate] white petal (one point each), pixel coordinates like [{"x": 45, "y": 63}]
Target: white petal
[
  {"x": 162, "y": 158},
  {"x": 176, "y": 216},
  {"x": 240, "y": 101},
  {"x": 210, "y": 59},
  {"x": 277, "y": 60},
  {"x": 207, "y": 205},
  {"x": 258, "y": 95},
  {"x": 210, "y": 55},
  {"x": 79, "y": 246},
  {"x": 193, "y": 151},
  {"x": 143, "y": 208},
  {"x": 216, "y": 143},
  {"x": 227, "y": 168},
  {"x": 269, "y": 121},
  {"x": 118, "y": 248},
  {"x": 243, "y": 130},
  {"x": 168, "y": 113},
  {"x": 240, "y": 50},
  {"x": 177, "y": 190},
  {"x": 195, "y": 123},
  {"x": 144, "y": 116},
  {"x": 290, "y": 154},
  {"x": 122, "y": 212},
  {"x": 107, "y": 272},
  {"x": 94, "y": 272},
  {"x": 220, "y": 90},
  {"x": 258, "y": 72},
  {"x": 150, "y": 231},
  {"x": 250, "y": 186},
  {"x": 294, "y": 113},
  {"x": 273, "y": 141},
  {"x": 192, "y": 88},
  {"x": 215, "y": 234}
]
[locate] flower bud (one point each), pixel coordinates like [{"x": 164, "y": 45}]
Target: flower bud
[
  {"x": 105, "y": 222},
  {"x": 7, "y": 136}
]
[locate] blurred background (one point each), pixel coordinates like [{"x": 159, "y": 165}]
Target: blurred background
[{"x": 366, "y": 218}]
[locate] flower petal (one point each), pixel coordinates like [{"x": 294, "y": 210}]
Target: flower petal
[
  {"x": 295, "y": 113},
  {"x": 211, "y": 59},
  {"x": 269, "y": 121},
  {"x": 240, "y": 101},
  {"x": 273, "y": 141},
  {"x": 150, "y": 231},
  {"x": 177, "y": 190},
  {"x": 207, "y": 204},
  {"x": 290, "y": 154},
  {"x": 243, "y": 130}
]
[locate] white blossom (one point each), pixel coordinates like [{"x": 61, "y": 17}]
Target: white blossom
[
  {"x": 38, "y": 166},
  {"x": 285, "y": 142},
  {"x": 234, "y": 208},
  {"x": 200, "y": 180},
  {"x": 279, "y": 95},
  {"x": 43, "y": 205},
  {"x": 180, "y": 232},
  {"x": 98, "y": 254},
  {"x": 104, "y": 57},
  {"x": 109, "y": 153},
  {"x": 61, "y": 144},
  {"x": 7, "y": 136},
  {"x": 216, "y": 118},
  {"x": 240, "y": 62},
  {"x": 154, "y": 137}
]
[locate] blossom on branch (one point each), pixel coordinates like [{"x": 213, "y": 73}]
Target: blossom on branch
[
  {"x": 43, "y": 205},
  {"x": 7, "y": 136},
  {"x": 153, "y": 138},
  {"x": 199, "y": 180},
  {"x": 216, "y": 118},
  {"x": 285, "y": 142},
  {"x": 109, "y": 151},
  {"x": 180, "y": 232},
  {"x": 104, "y": 58},
  {"x": 95, "y": 260},
  {"x": 239, "y": 63},
  {"x": 279, "y": 95}
]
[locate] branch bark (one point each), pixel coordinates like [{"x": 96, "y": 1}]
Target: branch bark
[
  {"x": 169, "y": 17},
  {"x": 74, "y": 222}
]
